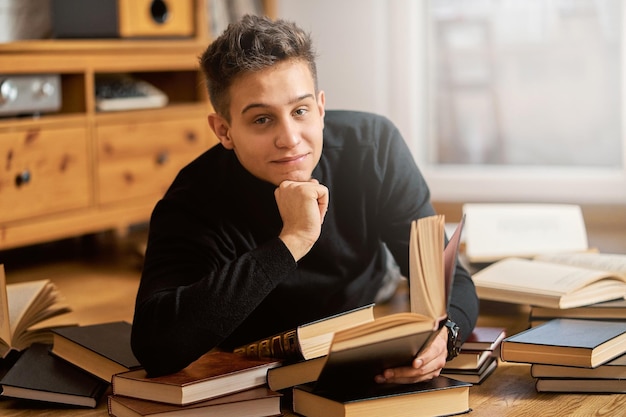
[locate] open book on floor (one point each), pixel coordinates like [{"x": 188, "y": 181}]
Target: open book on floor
[
  {"x": 24, "y": 309},
  {"x": 557, "y": 281}
]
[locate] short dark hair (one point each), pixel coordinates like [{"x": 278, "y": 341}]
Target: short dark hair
[{"x": 252, "y": 44}]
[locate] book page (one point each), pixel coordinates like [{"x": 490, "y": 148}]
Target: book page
[
  {"x": 426, "y": 267},
  {"x": 600, "y": 261},
  {"x": 20, "y": 297},
  {"x": 497, "y": 231},
  {"x": 5, "y": 324},
  {"x": 535, "y": 277},
  {"x": 450, "y": 254}
]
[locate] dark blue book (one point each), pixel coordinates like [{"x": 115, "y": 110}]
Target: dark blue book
[{"x": 568, "y": 342}]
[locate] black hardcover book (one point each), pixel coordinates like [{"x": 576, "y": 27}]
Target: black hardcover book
[
  {"x": 439, "y": 396},
  {"x": 100, "y": 349},
  {"x": 38, "y": 375}
]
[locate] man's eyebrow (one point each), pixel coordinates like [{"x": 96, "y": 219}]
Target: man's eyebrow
[{"x": 263, "y": 105}]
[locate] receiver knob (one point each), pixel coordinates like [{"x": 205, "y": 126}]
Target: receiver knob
[
  {"x": 8, "y": 91},
  {"x": 43, "y": 89}
]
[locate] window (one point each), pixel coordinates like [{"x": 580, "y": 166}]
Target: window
[{"x": 524, "y": 100}]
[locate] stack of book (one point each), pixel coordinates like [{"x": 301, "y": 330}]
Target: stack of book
[
  {"x": 572, "y": 355},
  {"x": 478, "y": 357},
  {"x": 75, "y": 369},
  {"x": 577, "y": 319},
  {"x": 84, "y": 363}
]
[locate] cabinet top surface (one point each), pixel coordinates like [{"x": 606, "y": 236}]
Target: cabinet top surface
[
  {"x": 97, "y": 46},
  {"x": 105, "y": 55}
]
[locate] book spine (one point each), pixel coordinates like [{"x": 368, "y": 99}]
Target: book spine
[{"x": 280, "y": 346}]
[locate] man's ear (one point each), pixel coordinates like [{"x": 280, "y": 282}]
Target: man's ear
[
  {"x": 221, "y": 128},
  {"x": 321, "y": 104}
]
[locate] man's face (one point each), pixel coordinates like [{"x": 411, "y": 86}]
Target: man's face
[{"x": 276, "y": 122}]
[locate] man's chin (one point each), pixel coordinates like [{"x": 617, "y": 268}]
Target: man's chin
[{"x": 296, "y": 177}]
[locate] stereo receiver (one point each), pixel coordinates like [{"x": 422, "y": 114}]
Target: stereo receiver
[{"x": 29, "y": 94}]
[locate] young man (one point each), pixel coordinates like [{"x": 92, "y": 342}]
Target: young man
[{"x": 284, "y": 221}]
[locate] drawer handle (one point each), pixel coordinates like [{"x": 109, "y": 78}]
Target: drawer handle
[
  {"x": 22, "y": 178},
  {"x": 162, "y": 158},
  {"x": 191, "y": 137}
]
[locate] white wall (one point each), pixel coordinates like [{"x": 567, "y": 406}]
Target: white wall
[
  {"x": 361, "y": 60},
  {"x": 371, "y": 56}
]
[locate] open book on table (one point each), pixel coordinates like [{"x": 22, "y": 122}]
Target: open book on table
[
  {"x": 360, "y": 353},
  {"x": 24, "y": 307},
  {"x": 554, "y": 281}
]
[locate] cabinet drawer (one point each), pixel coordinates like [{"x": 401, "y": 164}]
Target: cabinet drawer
[
  {"x": 42, "y": 171},
  {"x": 141, "y": 159}
]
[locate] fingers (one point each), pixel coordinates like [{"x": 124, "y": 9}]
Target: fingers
[
  {"x": 302, "y": 207},
  {"x": 426, "y": 366},
  {"x": 311, "y": 189}
]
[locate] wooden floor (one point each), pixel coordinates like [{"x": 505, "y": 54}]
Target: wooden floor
[{"x": 99, "y": 276}]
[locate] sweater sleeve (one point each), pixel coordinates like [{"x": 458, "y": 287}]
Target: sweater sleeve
[{"x": 196, "y": 288}]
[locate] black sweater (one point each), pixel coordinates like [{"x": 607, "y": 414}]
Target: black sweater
[{"x": 216, "y": 274}]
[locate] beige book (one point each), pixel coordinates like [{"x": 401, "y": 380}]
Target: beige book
[
  {"x": 24, "y": 307},
  {"x": 554, "y": 282}
]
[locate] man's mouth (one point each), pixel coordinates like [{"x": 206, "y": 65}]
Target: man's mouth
[{"x": 291, "y": 159}]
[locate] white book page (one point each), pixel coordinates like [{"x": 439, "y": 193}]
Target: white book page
[
  {"x": 498, "y": 231},
  {"x": 5, "y": 324},
  {"x": 602, "y": 261},
  {"x": 535, "y": 277},
  {"x": 21, "y": 296}
]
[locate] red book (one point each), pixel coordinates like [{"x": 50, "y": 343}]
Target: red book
[
  {"x": 484, "y": 338},
  {"x": 255, "y": 402},
  {"x": 212, "y": 375}
]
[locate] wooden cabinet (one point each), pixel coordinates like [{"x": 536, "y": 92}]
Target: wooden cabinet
[
  {"x": 129, "y": 168},
  {"x": 45, "y": 170},
  {"x": 78, "y": 170}
]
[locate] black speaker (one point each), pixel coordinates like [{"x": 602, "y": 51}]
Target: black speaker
[{"x": 122, "y": 18}]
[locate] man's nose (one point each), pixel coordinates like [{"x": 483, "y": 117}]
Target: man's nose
[{"x": 288, "y": 135}]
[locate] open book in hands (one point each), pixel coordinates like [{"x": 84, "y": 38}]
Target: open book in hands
[{"x": 360, "y": 353}]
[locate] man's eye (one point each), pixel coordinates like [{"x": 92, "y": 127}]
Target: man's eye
[
  {"x": 261, "y": 120},
  {"x": 301, "y": 112}
]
